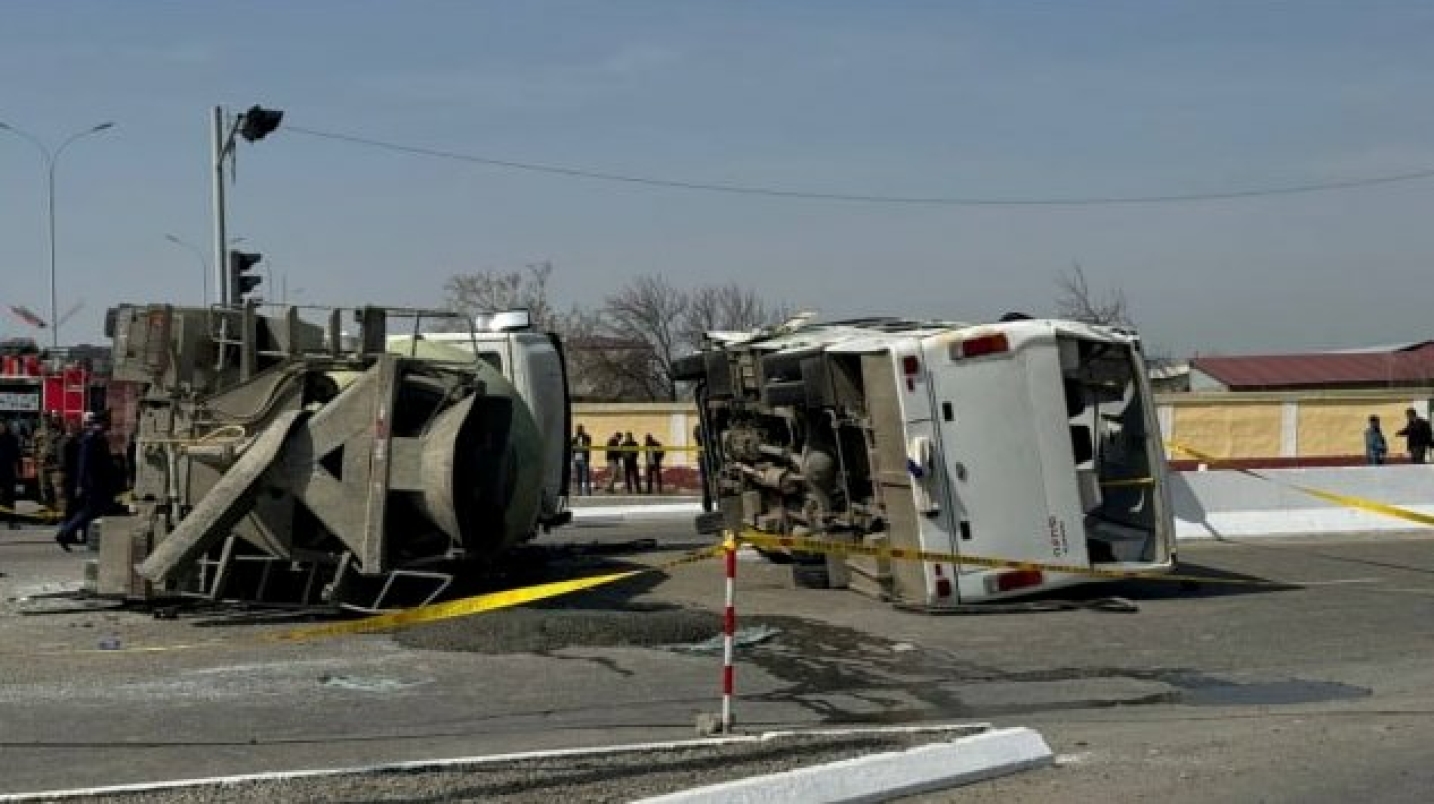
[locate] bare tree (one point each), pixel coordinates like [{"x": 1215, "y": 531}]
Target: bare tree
[
  {"x": 1077, "y": 301},
  {"x": 589, "y": 375},
  {"x": 726, "y": 307},
  {"x": 495, "y": 291},
  {"x": 602, "y": 366},
  {"x": 644, "y": 321},
  {"x": 625, "y": 348}
]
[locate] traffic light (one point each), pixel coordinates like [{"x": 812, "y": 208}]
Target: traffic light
[
  {"x": 240, "y": 282},
  {"x": 256, "y": 123}
]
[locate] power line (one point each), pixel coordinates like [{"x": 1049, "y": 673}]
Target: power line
[{"x": 952, "y": 201}]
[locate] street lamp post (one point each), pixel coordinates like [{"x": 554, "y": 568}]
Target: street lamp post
[
  {"x": 203, "y": 262},
  {"x": 51, "y": 159}
]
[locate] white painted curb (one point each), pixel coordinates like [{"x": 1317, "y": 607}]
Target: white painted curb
[
  {"x": 220, "y": 782},
  {"x": 884, "y": 776}
]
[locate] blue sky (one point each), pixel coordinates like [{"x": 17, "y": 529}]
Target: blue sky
[{"x": 948, "y": 99}]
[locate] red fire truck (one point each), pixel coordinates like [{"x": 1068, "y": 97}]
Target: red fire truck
[{"x": 33, "y": 384}]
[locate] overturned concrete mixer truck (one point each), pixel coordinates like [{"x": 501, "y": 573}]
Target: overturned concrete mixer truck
[
  {"x": 1018, "y": 456},
  {"x": 332, "y": 462}
]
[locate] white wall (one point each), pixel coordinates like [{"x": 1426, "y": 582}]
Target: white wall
[{"x": 1234, "y": 504}]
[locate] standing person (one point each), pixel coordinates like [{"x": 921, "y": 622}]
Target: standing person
[
  {"x": 1417, "y": 436},
  {"x": 47, "y": 459},
  {"x": 95, "y": 482},
  {"x": 630, "y": 478},
  {"x": 9, "y": 473},
  {"x": 614, "y": 460},
  {"x": 652, "y": 449},
  {"x": 582, "y": 461},
  {"x": 1375, "y": 447},
  {"x": 69, "y": 453}
]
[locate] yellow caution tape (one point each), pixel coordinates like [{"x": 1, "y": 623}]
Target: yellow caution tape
[
  {"x": 479, "y": 604},
  {"x": 41, "y": 515},
  {"x": 50, "y": 515},
  {"x": 455, "y": 608},
  {"x": 1349, "y": 501},
  {"x": 903, "y": 554}
]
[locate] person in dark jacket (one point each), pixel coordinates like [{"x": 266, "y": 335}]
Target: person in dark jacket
[
  {"x": 95, "y": 482},
  {"x": 9, "y": 473},
  {"x": 652, "y": 450},
  {"x": 613, "y": 456},
  {"x": 631, "y": 478},
  {"x": 582, "y": 449},
  {"x": 1417, "y": 435},
  {"x": 69, "y": 449}
]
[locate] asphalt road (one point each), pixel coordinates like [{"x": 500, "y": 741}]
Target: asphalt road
[{"x": 1213, "y": 693}]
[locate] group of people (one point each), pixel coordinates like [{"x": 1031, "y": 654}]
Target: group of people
[
  {"x": 77, "y": 474},
  {"x": 54, "y": 445},
  {"x": 624, "y": 455},
  {"x": 1416, "y": 433}
]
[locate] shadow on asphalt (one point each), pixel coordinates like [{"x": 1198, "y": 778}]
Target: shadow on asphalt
[
  {"x": 525, "y": 567},
  {"x": 1194, "y": 581}
]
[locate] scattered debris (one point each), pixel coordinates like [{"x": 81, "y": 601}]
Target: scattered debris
[{"x": 743, "y": 638}]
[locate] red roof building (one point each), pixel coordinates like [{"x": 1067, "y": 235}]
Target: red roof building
[{"x": 1390, "y": 367}]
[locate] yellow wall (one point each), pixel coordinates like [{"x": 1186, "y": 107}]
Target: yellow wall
[
  {"x": 1251, "y": 425},
  {"x": 670, "y": 423},
  {"x": 1337, "y": 427},
  {"x": 1248, "y": 430}
]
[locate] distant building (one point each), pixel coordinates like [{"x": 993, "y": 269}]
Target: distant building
[
  {"x": 1169, "y": 377},
  {"x": 1409, "y": 365}
]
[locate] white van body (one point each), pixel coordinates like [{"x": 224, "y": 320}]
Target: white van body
[{"x": 1031, "y": 441}]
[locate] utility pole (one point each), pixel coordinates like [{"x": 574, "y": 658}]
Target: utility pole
[
  {"x": 254, "y": 124},
  {"x": 221, "y": 261}
]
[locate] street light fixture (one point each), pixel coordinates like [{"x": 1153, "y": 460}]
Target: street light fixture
[
  {"x": 51, "y": 158},
  {"x": 203, "y": 261}
]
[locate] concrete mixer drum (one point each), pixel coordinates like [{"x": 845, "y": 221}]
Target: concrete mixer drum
[{"x": 319, "y": 470}]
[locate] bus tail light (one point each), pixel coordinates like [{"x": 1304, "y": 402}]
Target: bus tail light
[
  {"x": 910, "y": 367},
  {"x": 943, "y": 584},
  {"x": 1016, "y": 579},
  {"x": 994, "y": 343}
]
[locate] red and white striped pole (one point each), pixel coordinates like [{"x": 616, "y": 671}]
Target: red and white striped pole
[{"x": 729, "y": 631}]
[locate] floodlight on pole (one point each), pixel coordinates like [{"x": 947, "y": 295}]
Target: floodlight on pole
[{"x": 52, "y": 158}]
